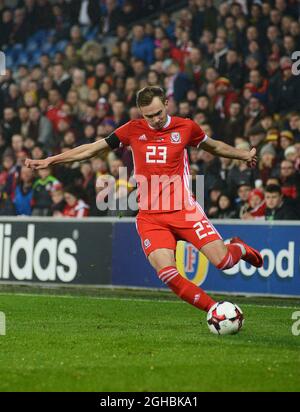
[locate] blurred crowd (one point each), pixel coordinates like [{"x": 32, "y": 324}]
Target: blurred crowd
[{"x": 73, "y": 72}]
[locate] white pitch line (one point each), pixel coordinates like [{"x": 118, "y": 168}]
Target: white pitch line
[{"x": 137, "y": 300}]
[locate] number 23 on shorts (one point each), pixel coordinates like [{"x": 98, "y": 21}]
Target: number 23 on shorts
[{"x": 204, "y": 229}]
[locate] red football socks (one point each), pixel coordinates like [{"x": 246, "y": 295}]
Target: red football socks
[
  {"x": 185, "y": 289},
  {"x": 233, "y": 256}
]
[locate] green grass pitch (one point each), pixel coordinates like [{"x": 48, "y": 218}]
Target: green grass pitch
[{"x": 102, "y": 340}]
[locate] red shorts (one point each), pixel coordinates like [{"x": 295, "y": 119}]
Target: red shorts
[{"x": 163, "y": 230}]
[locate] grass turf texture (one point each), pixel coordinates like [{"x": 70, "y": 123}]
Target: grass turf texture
[{"x": 105, "y": 340}]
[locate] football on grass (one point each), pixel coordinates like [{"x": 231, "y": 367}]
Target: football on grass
[{"x": 225, "y": 318}]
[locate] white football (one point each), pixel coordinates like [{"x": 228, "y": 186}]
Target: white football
[{"x": 225, "y": 318}]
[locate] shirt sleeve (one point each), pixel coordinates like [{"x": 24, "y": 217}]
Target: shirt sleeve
[
  {"x": 123, "y": 133},
  {"x": 197, "y": 135}
]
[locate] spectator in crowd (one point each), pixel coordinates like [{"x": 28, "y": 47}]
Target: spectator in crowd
[
  {"x": 226, "y": 208},
  {"x": 20, "y": 29},
  {"x": 195, "y": 66},
  {"x": 243, "y": 191},
  {"x": 277, "y": 208},
  {"x": 233, "y": 126},
  {"x": 234, "y": 71},
  {"x": 14, "y": 97},
  {"x": 286, "y": 139},
  {"x": 61, "y": 79},
  {"x": 76, "y": 39},
  {"x": 130, "y": 90},
  {"x": 142, "y": 46},
  {"x": 176, "y": 83},
  {"x": 290, "y": 182},
  {"x": 113, "y": 16},
  {"x": 267, "y": 162},
  {"x": 40, "y": 128},
  {"x": 78, "y": 84},
  {"x": 9, "y": 173},
  {"x": 240, "y": 172},
  {"x": 58, "y": 201},
  {"x": 75, "y": 206},
  {"x": 88, "y": 181},
  {"x": 10, "y": 124},
  {"x": 215, "y": 191},
  {"x": 254, "y": 113},
  {"x": 284, "y": 96},
  {"x": 86, "y": 13},
  {"x": 6, "y": 27},
  {"x": 54, "y": 112},
  {"x": 41, "y": 197},
  {"x": 259, "y": 85},
  {"x": 294, "y": 125},
  {"x": 256, "y": 137},
  {"x": 224, "y": 96},
  {"x": 22, "y": 198},
  {"x": 291, "y": 154},
  {"x": 17, "y": 144},
  {"x": 23, "y": 113},
  {"x": 256, "y": 206},
  {"x": 6, "y": 205},
  {"x": 212, "y": 117},
  {"x": 44, "y": 15},
  {"x": 225, "y": 167},
  {"x": 219, "y": 56}
]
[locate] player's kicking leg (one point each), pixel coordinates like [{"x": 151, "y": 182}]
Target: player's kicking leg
[
  {"x": 198, "y": 230},
  {"x": 221, "y": 255},
  {"x": 225, "y": 256},
  {"x": 164, "y": 263},
  {"x": 249, "y": 254},
  {"x": 159, "y": 245}
]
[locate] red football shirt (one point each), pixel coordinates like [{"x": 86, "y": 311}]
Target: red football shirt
[{"x": 161, "y": 161}]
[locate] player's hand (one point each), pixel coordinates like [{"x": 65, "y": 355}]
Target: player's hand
[
  {"x": 37, "y": 164},
  {"x": 252, "y": 159}
]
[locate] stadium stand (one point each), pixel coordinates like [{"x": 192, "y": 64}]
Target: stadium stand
[{"x": 73, "y": 71}]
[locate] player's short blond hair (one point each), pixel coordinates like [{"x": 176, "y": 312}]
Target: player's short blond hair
[{"x": 145, "y": 96}]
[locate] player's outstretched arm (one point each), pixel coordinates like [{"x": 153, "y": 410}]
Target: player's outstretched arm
[
  {"x": 222, "y": 149},
  {"x": 82, "y": 152}
]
